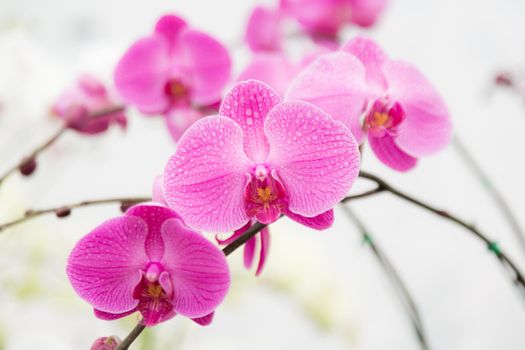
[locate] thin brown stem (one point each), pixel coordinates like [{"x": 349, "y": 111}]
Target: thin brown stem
[
  {"x": 492, "y": 191},
  {"x": 34, "y": 153},
  {"x": 391, "y": 272},
  {"x": 135, "y": 332},
  {"x": 517, "y": 276},
  {"x": 31, "y": 157},
  {"x": 65, "y": 210}
]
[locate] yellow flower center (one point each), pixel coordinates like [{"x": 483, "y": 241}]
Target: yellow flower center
[{"x": 378, "y": 119}]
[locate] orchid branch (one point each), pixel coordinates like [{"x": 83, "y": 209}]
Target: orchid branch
[
  {"x": 491, "y": 245},
  {"x": 65, "y": 210},
  {"x": 230, "y": 248},
  {"x": 492, "y": 191},
  {"x": 28, "y": 163},
  {"x": 393, "y": 276}
]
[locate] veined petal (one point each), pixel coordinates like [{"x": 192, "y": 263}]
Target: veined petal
[
  {"x": 209, "y": 64},
  {"x": 390, "y": 154},
  {"x": 204, "y": 320},
  {"x": 142, "y": 73},
  {"x": 318, "y": 222},
  {"x": 107, "y": 316},
  {"x": 315, "y": 156},
  {"x": 105, "y": 265},
  {"x": 198, "y": 269},
  {"x": 335, "y": 83},
  {"x": 373, "y": 58},
  {"x": 427, "y": 128},
  {"x": 248, "y": 103},
  {"x": 154, "y": 216},
  {"x": 204, "y": 180}
]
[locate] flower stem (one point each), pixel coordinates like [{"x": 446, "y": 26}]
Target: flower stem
[
  {"x": 31, "y": 158},
  {"x": 397, "y": 282},
  {"x": 517, "y": 276},
  {"x": 492, "y": 191},
  {"x": 65, "y": 210},
  {"x": 135, "y": 332},
  {"x": 34, "y": 153}
]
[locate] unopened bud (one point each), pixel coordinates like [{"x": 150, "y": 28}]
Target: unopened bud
[
  {"x": 106, "y": 343},
  {"x": 28, "y": 166},
  {"x": 62, "y": 212}
]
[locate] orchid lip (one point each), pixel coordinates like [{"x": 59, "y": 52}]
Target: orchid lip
[{"x": 383, "y": 118}]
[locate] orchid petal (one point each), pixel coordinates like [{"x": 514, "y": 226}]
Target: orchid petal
[
  {"x": 105, "y": 265},
  {"x": 204, "y": 180},
  {"x": 107, "y": 316},
  {"x": 335, "y": 83},
  {"x": 205, "y": 320},
  {"x": 248, "y": 103},
  {"x": 427, "y": 128},
  {"x": 209, "y": 64},
  {"x": 170, "y": 27},
  {"x": 390, "y": 154},
  {"x": 263, "y": 32},
  {"x": 153, "y": 215},
  {"x": 315, "y": 156},
  {"x": 373, "y": 58},
  {"x": 271, "y": 68},
  {"x": 318, "y": 222},
  {"x": 179, "y": 119},
  {"x": 142, "y": 73},
  {"x": 249, "y": 252},
  {"x": 265, "y": 248},
  {"x": 198, "y": 269}
]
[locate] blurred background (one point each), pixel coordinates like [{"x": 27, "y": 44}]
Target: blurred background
[{"x": 320, "y": 290}]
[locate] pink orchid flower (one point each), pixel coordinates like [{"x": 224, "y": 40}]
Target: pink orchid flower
[
  {"x": 388, "y": 101},
  {"x": 263, "y": 31},
  {"x": 259, "y": 159},
  {"x": 77, "y": 105},
  {"x": 147, "y": 260},
  {"x": 175, "y": 67},
  {"x": 327, "y": 17}
]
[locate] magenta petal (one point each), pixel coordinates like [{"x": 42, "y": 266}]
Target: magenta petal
[
  {"x": 335, "y": 83},
  {"x": 366, "y": 12},
  {"x": 315, "y": 156},
  {"x": 373, "y": 57},
  {"x": 265, "y": 247},
  {"x": 208, "y": 63},
  {"x": 205, "y": 320},
  {"x": 110, "y": 317},
  {"x": 389, "y": 153},
  {"x": 105, "y": 265},
  {"x": 248, "y": 103},
  {"x": 427, "y": 128},
  {"x": 249, "y": 252},
  {"x": 318, "y": 222},
  {"x": 179, "y": 119},
  {"x": 270, "y": 68},
  {"x": 198, "y": 269},
  {"x": 204, "y": 180},
  {"x": 142, "y": 73},
  {"x": 263, "y": 32},
  {"x": 154, "y": 216},
  {"x": 170, "y": 26}
]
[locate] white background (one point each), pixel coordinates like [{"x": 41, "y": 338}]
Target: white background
[{"x": 320, "y": 290}]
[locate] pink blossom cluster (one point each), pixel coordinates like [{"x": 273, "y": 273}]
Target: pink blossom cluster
[{"x": 284, "y": 144}]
